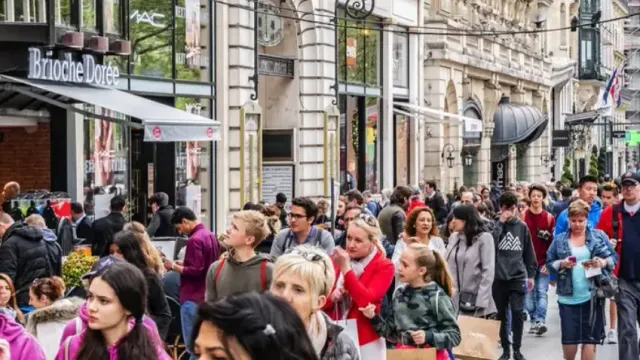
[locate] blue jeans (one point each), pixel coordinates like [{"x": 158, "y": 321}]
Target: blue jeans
[
  {"x": 188, "y": 318},
  {"x": 537, "y": 299}
]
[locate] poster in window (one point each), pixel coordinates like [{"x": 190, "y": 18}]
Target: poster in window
[
  {"x": 192, "y": 40},
  {"x": 103, "y": 150},
  {"x": 352, "y": 51}
]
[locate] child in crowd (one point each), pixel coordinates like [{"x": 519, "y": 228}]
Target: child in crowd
[
  {"x": 421, "y": 312},
  {"x": 116, "y": 295},
  {"x": 243, "y": 270},
  {"x": 8, "y": 301}
]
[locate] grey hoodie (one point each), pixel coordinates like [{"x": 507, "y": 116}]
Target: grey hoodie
[
  {"x": 515, "y": 257},
  {"x": 236, "y": 277}
]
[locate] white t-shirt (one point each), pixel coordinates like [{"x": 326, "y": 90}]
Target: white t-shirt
[{"x": 435, "y": 243}]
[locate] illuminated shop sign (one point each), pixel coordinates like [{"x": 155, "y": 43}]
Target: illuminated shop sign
[{"x": 68, "y": 70}]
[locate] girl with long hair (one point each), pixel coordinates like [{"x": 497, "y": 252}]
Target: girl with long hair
[
  {"x": 154, "y": 259},
  {"x": 304, "y": 278},
  {"x": 272, "y": 213},
  {"x": 116, "y": 294},
  {"x": 421, "y": 313},
  {"x": 47, "y": 322},
  {"x": 471, "y": 258},
  {"x": 419, "y": 228},
  {"x": 127, "y": 247},
  {"x": 8, "y": 298},
  {"x": 364, "y": 275},
  {"x": 250, "y": 326}
]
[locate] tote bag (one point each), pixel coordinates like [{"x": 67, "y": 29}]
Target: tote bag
[
  {"x": 479, "y": 339},
  {"x": 411, "y": 354},
  {"x": 350, "y": 327}
]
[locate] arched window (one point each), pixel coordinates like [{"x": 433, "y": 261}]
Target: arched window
[{"x": 563, "y": 24}]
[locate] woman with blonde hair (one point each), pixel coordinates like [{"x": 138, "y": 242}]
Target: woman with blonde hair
[
  {"x": 364, "y": 276},
  {"x": 151, "y": 254},
  {"x": 304, "y": 278}
]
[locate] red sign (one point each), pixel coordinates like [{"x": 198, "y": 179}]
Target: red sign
[{"x": 157, "y": 133}]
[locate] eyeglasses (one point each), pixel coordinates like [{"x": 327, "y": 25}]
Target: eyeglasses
[
  {"x": 296, "y": 216},
  {"x": 368, "y": 219}
]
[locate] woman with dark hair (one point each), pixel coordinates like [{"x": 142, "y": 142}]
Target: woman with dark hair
[
  {"x": 127, "y": 247},
  {"x": 471, "y": 258},
  {"x": 250, "y": 326},
  {"x": 115, "y": 295},
  {"x": 446, "y": 229}
]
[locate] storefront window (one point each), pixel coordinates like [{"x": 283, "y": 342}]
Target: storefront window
[
  {"x": 112, "y": 17},
  {"x": 89, "y": 14},
  {"x": 193, "y": 173},
  {"x": 21, "y": 11},
  {"x": 400, "y": 60},
  {"x": 63, "y": 12},
  {"x": 193, "y": 42},
  {"x": 353, "y": 159},
  {"x": 150, "y": 32},
  {"x": 402, "y": 149},
  {"x": 106, "y": 160},
  {"x": 358, "y": 52}
]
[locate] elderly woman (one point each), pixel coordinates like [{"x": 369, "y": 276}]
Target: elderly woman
[
  {"x": 304, "y": 279},
  {"x": 578, "y": 257}
]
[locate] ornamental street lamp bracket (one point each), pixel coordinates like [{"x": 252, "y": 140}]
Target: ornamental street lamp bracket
[{"x": 449, "y": 149}]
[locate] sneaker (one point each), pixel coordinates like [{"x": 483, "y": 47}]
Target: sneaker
[
  {"x": 517, "y": 355},
  {"x": 612, "y": 337},
  {"x": 505, "y": 355},
  {"x": 534, "y": 328},
  {"x": 542, "y": 328}
]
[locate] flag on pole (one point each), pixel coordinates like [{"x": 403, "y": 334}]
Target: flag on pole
[{"x": 610, "y": 88}]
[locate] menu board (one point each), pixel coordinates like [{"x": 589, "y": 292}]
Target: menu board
[{"x": 277, "y": 179}]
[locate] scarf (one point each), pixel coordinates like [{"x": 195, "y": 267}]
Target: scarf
[
  {"x": 357, "y": 266},
  {"x": 317, "y": 331}
]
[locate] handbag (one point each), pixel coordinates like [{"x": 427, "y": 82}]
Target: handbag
[
  {"x": 466, "y": 299},
  {"x": 606, "y": 287}
]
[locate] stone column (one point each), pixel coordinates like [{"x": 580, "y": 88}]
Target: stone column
[
  {"x": 387, "y": 148},
  {"x": 416, "y": 133},
  {"x": 492, "y": 94}
]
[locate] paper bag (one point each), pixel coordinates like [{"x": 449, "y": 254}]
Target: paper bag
[
  {"x": 411, "y": 354},
  {"x": 479, "y": 339}
]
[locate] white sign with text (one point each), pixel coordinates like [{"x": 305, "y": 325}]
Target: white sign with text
[{"x": 68, "y": 70}]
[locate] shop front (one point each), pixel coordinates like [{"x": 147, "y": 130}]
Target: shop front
[{"x": 101, "y": 140}]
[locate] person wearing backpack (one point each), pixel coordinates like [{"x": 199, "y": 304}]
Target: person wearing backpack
[
  {"x": 621, "y": 222},
  {"x": 243, "y": 269},
  {"x": 301, "y": 217}
]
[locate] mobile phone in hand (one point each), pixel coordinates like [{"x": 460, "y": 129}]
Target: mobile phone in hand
[{"x": 573, "y": 259}]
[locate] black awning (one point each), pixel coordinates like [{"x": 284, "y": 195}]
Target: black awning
[
  {"x": 586, "y": 117},
  {"x": 517, "y": 124}
]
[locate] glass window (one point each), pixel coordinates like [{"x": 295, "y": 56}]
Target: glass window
[
  {"x": 106, "y": 159},
  {"x": 89, "y": 14},
  {"x": 358, "y": 52},
  {"x": 150, "y": 32},
  {"x": 193, "y": 174},
  {"x": 193, "y": 40},
  {"x": 63, "y": 13},
  {"x": 589, "y": 53},
  {"x": 400, "y": 60},
  {"x": 29, "y": 11},
  {"x": 112, "y": 17}
]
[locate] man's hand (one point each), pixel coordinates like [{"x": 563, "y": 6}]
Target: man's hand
[
  {"x": 543, "y": 270},
  {"x": 168, "y": 264},
  {"x": 506, "y": 215},
  {"x": 530, "y": 284}
]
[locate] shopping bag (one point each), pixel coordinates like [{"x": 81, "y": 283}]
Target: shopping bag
[
  {"x": 479, "y": 339},
  {"x": 411, "y": 354}
]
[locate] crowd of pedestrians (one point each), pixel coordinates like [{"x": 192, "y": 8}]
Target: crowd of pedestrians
[{"x": 292, "y": 280}]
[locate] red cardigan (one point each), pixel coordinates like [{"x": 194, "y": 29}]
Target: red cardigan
[
  {"x": 606, "y": 224},
  {"x": 370, "y": 288}
]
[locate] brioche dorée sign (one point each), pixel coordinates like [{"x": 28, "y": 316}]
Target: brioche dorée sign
[{"x": 68, "y": 70}]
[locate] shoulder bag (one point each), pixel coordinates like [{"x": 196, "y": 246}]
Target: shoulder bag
[{"x": 466, "y": 299}]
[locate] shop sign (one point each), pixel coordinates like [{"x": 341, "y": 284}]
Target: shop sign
[
  {"x": 352, "y": 52},
  {"x": 152, "y": 18},
  {"x": 68, "y": 70},
  {"x": 274, "y": 65},
  {"x": 560, "y": 138},
  {"x": 499, "y": 172}
]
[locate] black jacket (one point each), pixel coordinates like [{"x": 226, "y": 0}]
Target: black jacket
[
  {"x": 103, "y": 231},
  {"x": 83, "y": 229},
  {"x": 160, "y": 225},
  {"x": 515, "y": 257},
  {"x": 24, "y": 257},
  {"x": 437, "y": 204}
]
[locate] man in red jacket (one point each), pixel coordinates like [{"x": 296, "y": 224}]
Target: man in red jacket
[{"x": 615, "y": 218}]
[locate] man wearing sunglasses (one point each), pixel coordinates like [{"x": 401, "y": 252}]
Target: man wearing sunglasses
[{"x": 301, "y": 230}]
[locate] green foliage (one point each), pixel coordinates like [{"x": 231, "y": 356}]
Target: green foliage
[
  {"x": 602, "y": 162},
  {"x": 593, "y": 165},
  {"x": 567, "y": 175},
  {"x": 74, "y": 267}
]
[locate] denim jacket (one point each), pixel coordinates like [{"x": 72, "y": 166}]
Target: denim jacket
[{"x": 598, "y": 244}]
